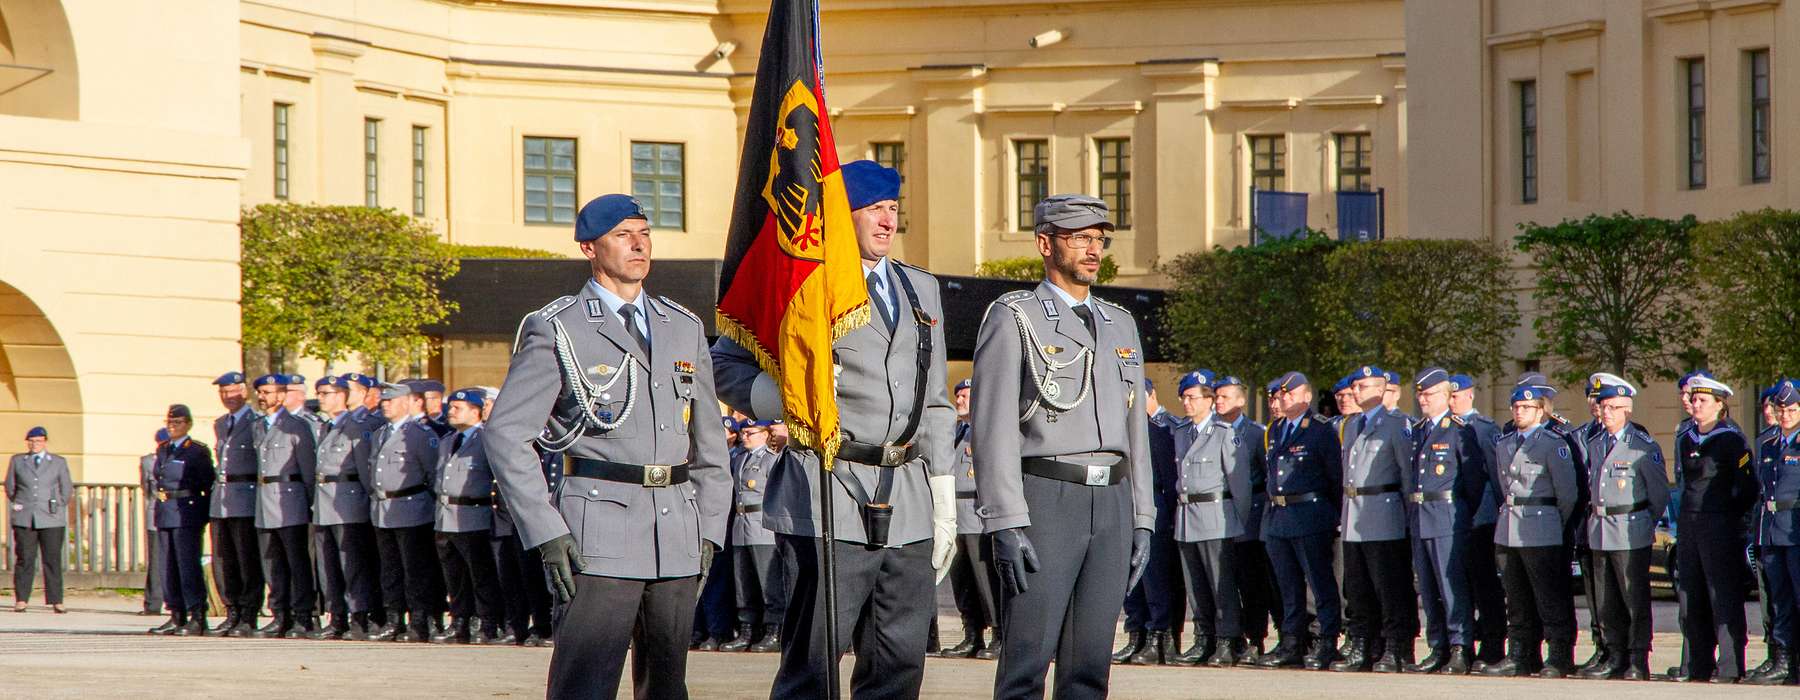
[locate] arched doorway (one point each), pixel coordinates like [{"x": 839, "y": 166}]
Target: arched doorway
[
  {"x": 37, "y": 61},
  {"x": 37, "y": 380}
]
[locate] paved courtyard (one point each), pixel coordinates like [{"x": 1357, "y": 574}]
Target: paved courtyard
[{"x": 100, "y": 649}]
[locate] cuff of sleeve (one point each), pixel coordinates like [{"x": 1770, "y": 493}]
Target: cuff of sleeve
[
  {"x": 765, "y": 398},
  {"x": 993, "y": 524},
  {"x": 1146, "y": 522}
]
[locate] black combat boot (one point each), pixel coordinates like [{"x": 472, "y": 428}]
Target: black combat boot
[
  {"x": 1518, "y": 662},
  {"x": 1561, "y": 661},
  {"x": 230, "y": 623},
  {"x": 1639, "y": 666},
  {"x": 1227, "y": 654},
  {"x": 278, "y": 625},
  {"x": 1601, "y": 658},
  {"x": 456, "y": 633},
  {"x": 488, "y": 633},
  {"x": 1458, "y": 663},
  {"x": 1287, "y": 654},
  {"x": 771, "y": 640},
  {"x": 746, "y": 634},
  {"x": 1357, "y": 659},
  {"x": 1780, "y": 669},
  {"x": 1203, "y": 648},
  {"x": 1157, "y": 650},
  {"x": 1396, "y": 658},
  {"x": 971, "y": 643},
  {"x": 1432, "y": 662},
  {"x": 1616, "y": 664},
  {"x": 177, "y": 618},
  {"x": 992, "y": 650},
  {"x": 390, "y": 632},
  {"x": 1324, "y": 653},
  {"x": 1768, "y": 662},
  {"x": 1134, "y": 642},
  {"x": 360, "y": 628},
  {"x": 195, "y": 626}
]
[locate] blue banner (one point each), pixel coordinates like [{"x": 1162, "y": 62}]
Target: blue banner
[
  {"x": 1277, "y": 215},
  {"x": 1359, "y": 216}
]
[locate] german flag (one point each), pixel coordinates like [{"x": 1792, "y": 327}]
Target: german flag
[{"x": 792, "y": 280}]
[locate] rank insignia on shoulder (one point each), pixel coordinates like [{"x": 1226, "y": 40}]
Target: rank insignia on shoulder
[
  {"x": 604, "y": 369},
  {"x": 684, "y": 367}
]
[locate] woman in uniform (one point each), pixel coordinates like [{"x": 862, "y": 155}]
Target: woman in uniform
[{"x": 1717, "y": 490}]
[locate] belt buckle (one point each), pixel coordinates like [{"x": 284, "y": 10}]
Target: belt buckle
[
  {"x": 1098, "y": 475},
  {"x": 656, "y": 475},
  {"x": 1510, "y": 500},
  {"x": 1418, "y": 497},
  {"x": 1279, "y": 500},
  {"x": 893, "y": 455},
  {"x": 162, "y": 496},
  {"x": 1773, "y": 506}
]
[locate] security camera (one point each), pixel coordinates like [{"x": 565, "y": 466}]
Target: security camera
[
  {"x": 723, "y": 50},
  {"x": 1048, "y": 38}
]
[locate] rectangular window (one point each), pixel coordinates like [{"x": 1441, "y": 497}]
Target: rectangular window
[
  {"x": 549, "y": 180},
  {"x": 1115, "y": 178},
  {"x": 281, "y": 150},
  {"x": 1268, "y": 162},
  {"x": 418, "y": 173},
  {"x": 1355, "y": 155},
  {"x": 1031, "y": 177},
  {"x": 656, "y": 181},
  {"x": 1528, "y": 141},
  {"x": 892, "y": 154},
  {"x": 1693, "y": 72},
  {"x": 1759, "y": 116},
  {"x": 371, "y": 181}
]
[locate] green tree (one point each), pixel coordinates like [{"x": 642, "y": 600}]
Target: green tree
[
  {"x": 1250, "y": 311},
  {"x": 332, "y": 281},
  {"x": 1613, "y": 294},
  {"x": 1410, "y": 304},
  {"x": 1030, "y": 268},
  {"x": 1749, "y": 266}
]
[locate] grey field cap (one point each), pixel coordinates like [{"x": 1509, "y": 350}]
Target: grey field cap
[
  {"x": 394, "y": 391},
  {"x": 1071, "y": 212}
]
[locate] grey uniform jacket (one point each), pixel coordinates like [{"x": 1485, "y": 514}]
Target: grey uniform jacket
[
  {"x": 1631, "y": 474},
  {"x": 877, "y": 375},
  {"x": 339, "y": 496},
  {"x": 967, "y": 521},
  {"x": 1536, "y": 477},
  {"x": 623, "y": 530},
  {"x": 463, "y": 473},
  {"x": 1377, "y": 453},
  {"x": 286, "y": 461},
  {"x": 400, "y": 459},
  {"x": 236, "y": 459},
  {"x": 147, "y": 482},
  {"x": 1210, "y": 465},
  {"x": 38, "y": 492},
  {"x": 752, "y": 482},
  {"x": 1109, "y": 419}
]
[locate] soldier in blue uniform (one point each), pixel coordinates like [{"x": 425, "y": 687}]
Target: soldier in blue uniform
[
  {"x": 1535, "y": 476},
  {"x": 1451, "y": 477},
  {"x": 1778, "y": 530},
  {"x": 181, "y": 479},
  {"x": 237, "y": 559},
  {"x": 1629, "y": 486},
  {"x": 1484, "y": 574},
  {"x": 1771, "y": 428},
  {"x": 286, "y": 461},
  {"x": 1717, "y": 490},
  {"x": 1378, "y": 574},
  {"x": 1305, "y": 480},
  {"x": 343, "y": 540}
]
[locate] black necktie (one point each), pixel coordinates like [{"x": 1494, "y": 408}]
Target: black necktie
[
  {"x": 630, "y": 312},
  {"x": 1362, "y": 423},
  {"x": 456, "y": 445},
  {"x": 1087, "y": 319},
  {"x": 887, "y": 315},
  {"x": 1610, "y": 442}
]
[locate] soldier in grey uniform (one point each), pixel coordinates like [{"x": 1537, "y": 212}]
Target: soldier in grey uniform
[
  {"x": 237, "y": 560},
  {"x": 38, "y": 489},
  {"x": 757, "y": 569},
  {"x": 1534, "y": 473},
  {"x": 286, "y": 460},
  {"x": 972, "y": 578},
  {"x": 1064, "y": 458},
  {"x": 398, "y": 478},
  {"x": 465, "y": 522},
  {"x": 1630, "y": 488},
  {"x": 1212, "y": 504},
  {"x": 894, "y": 468},
  {"x": 153, "y": 550},
  {"x": 1256, "y": 581},
  {"x": 342, "y": 537},
  {"x": 295, "y": 404},
  {"x": 621, "y": 384},
  {"x": 1378, "y": 575}
]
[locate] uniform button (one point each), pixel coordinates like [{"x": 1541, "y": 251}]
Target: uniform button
[
  {"x": 665, "y": 511},
  {"x": 656, "y": 385},
  {"x": 593, "y": 492},
  {"x": 664, "y": 426}
]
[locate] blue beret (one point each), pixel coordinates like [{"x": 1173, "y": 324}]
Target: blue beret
[
  {"x": 1291, "y": 381},
  {"x": 1227, "y": 380},
  {"x": 1614, "y": 391},
  {"x": 1785, "y": 393},
  {"x": 1199, "y": 377},
  {"x": 1769, "y": 392},
  {"x": 1461, "y": 382},
  {"x": 1149, "y": 386},
  {"x": 1392, "y": 376},
  {"x": 867, "y": 182},
  {"x": 267, "y": 379},
  {"x": 162, "y": 434},
  {"x": 729, "y": 423},
  {"x": 229, "y": 378},
  {"x": 360, "y": 378},
  {"x": 330, "y": 381},
  {"x": 1367, "y": 372},
  {"x": 1273, "y": 386},
  {"x": 473, "y": 397},
  {"x": 37, "y": 432},
  {"x": 603, "y": 213},
  {"x": 1527, "y": 392},
  {"x": 1430, "y": 377},
  {"x": 759, "y": 423},
  {"x": 293, "y": 379},
  {"x": 964, "y": 384},
  {"x": 1343, "y": 383}
]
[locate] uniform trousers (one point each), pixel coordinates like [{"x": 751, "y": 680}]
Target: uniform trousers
[
  {"x": 1212, "y": 588},
  {"x": 1257, "y": 593},
  {"x": 1303, "y": 564},
  {"x": 651, "y": 616},
  {"x": 154, "y": 555},
  {"x": 1160, "y": 600},
  {"x": 1068, "y": 612},
  {"x": 288, "y": 569},
  {"x": 716, "y": 611},
  {"x": 1712, "y": 580},
  {"x": 1443, "y": 573},
  {"x": 408, "y": 568},
  {"x": 885, "y": 603},
  {"x": 1624, "y": 589},
  {"x": 760, "y": 578},
  {"x": 523, "y": 588},
  {"x": 1484, "y": 584},
  {"x": 470, "y": 577},
  {"x": 1782, "y": 565},
  {"x": 28, "y": 543},
  {"x": 1590, "y": 588},
  {"x": 183, "y": 587},
  {"x": 1540, "y": 603},
  {"x": 973, "y": 582},
  {"x": 238, "y": 563},
  {"x": 1378, "y": 580},
  {"x": 348, "y": 567}
]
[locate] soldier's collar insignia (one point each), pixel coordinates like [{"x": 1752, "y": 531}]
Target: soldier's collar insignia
[
  {"x": 596, "y": 310},
  {"x": 1050, "y": 309},
  {"x": 1305, "y": 422},
  {"x": 1444, "y": 422},
  {"x": 604, "y": 369},
  {"x": 684, "y": 367}
]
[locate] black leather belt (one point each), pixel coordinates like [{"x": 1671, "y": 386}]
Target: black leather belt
[
  {"x": 1433, "y": 496},
  {"x": 334, "y": 478},
  {"x": 465, "y": 501},
  {"x": 752, "y": 508},
  {"x": 1621, "y": 510},
  {"x": 1282, "y": 500},
  {"x": 1775, "y": 506},
  {"x": 280, "y": 478},
  {"x": 1213, "y": 497},
  {"x": 965, "y": 494},
  {"x": 1530, "y": 500},
  {"x": 240, "y": 478},
  {"x": 165, "y": 494},
  {"x": 651, "y": 475},
  {"x": 1073, "y": 473},
  {"x": 877, "y": 455},
  {"x": 1354, "y": 491},
  {"x": 401, "y": 493}
]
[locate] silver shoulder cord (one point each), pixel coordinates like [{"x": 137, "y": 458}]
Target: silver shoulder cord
[
  {"x": 585, "y": 392},
  {"x": 1043, "y": 381}
]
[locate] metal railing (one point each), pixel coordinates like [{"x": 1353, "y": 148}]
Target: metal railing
[{"x": 105, "y": 534}]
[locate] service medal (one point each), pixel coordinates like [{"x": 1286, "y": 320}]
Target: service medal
[
  {"x": 751, "y": 483},
  {"x": 1440, "y": 470},
  {"x": 1621, "y": 484},
  {"x": 1052, "y": 349}
]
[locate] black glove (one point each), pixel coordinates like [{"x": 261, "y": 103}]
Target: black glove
[
  {"x": 1013, "y": 558},
  {"x": 1140, "y": 556},
  {"x": 562, "y": 561}
]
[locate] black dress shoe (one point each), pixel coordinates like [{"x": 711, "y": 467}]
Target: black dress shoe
[
  {"x": 1601, "y": 658},
  {"x": 360, "y": 628},
  {"x": 488, "y": 634},
  {"x": 965, "y": 649},
  {"x": 1324, "y": 654},
  {"x": 989, "y": 652},
  {"x": 1639, "y": 668},
  {"x": 228, "y": 624},
  {"x": 389, "y": 632},
  {"x": 532, "y": 640},
  {"x": 1394, "y": 660},
  {"x": 1432, "y": 662},
  {"x": 1613, "y": 670},
  {"x": 416, "y": 634},
  {"x": 1227, "y": 655},
  {"x": 509, "y": 638},
  {"x": 1285, "y": 655},
  {"x": 1134, "y": 641},
  {"x": 304, "y": 627},
  {"x": 456, "y": 633},
  {"x": 278, "y": 626},
  {"x": 709, "y": 645},
  {"x": 168, "y": 626},
  {"x": 195, "y": 625},
  {"x": 1458, "y": 663}
]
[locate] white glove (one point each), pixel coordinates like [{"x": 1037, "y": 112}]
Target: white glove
[{"x": 943, "y": 523}]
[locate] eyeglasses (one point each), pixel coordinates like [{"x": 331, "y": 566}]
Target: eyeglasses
[{"x": 1083, "y": 241}]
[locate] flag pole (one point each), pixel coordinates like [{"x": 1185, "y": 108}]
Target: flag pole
[{"x": 832, "y": 658}]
